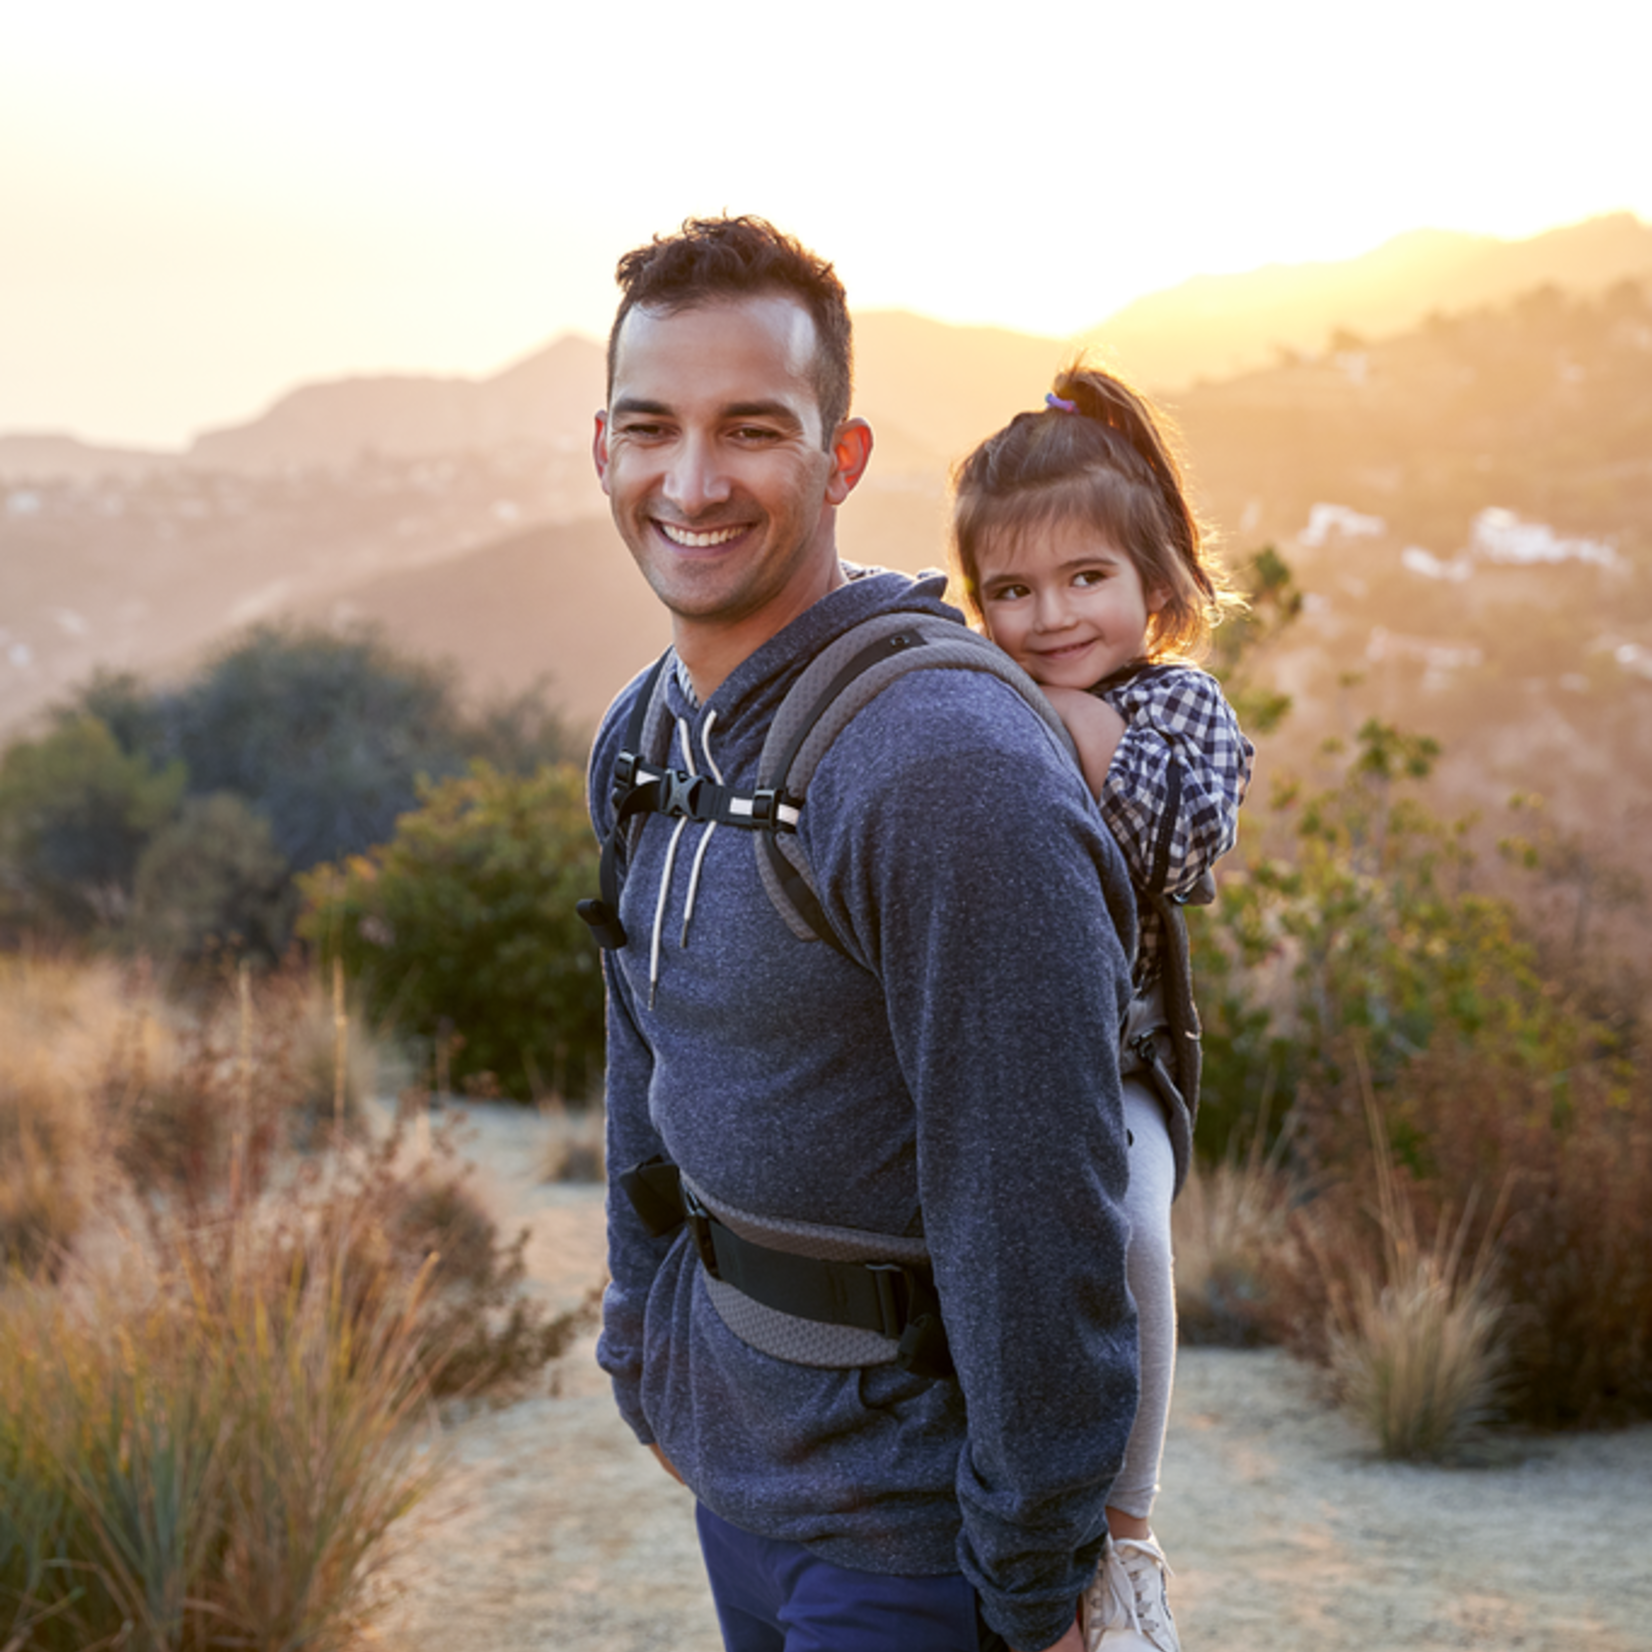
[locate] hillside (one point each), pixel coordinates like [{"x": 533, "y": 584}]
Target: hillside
[
  {"x": 1468, "y": 504},
  {"x": 1215, "y": 326}
]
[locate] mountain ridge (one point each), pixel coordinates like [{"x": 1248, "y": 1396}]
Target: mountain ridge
[{"x": 950, "y": 383}]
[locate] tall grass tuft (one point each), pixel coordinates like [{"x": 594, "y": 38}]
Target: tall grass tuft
[
  {"x": 216, "y": 1467},
  {"x": 1418, "y": 1344},
  {"x": 1231, "y": 1231}
]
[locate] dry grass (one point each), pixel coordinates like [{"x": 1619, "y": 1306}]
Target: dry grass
[
  {"x": 215, "y": 1463},
  {"x": 207, "y": 1430},
  {"x": 57, "y": 1024},
  {"x": 1418, "y": 1344},
  {"x": 575, "y": 1150},
  {"x": 1230, "y": 1228}
]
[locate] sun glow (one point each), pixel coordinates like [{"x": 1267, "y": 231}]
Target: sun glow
[{"x": 203, "y": 205}]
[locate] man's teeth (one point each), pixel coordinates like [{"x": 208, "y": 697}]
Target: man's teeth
[{"x": 690, "y": 540}]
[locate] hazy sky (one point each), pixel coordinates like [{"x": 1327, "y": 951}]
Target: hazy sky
[{"x": 202, "y": 204}]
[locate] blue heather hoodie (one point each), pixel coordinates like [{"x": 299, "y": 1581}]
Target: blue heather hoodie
[{"x": 964, "y": 1085}]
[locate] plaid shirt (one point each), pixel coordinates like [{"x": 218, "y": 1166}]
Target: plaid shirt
[{"x": 1173, "y": 792}]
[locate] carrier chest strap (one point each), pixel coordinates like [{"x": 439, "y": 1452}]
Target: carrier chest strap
[{"x": 651, "y": 788}]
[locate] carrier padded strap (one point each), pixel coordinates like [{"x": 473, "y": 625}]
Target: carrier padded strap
[{"x": 838, "y": 683}]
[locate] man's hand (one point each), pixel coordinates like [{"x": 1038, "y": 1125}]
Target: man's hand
[{"x": 665, "y": 1463}]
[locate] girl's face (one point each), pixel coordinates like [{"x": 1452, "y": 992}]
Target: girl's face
[{"x": 1065, "y": 604}]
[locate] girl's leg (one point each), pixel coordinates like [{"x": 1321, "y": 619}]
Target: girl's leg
[
  {"x": 1148, "y": 1268},
  {"x": 1126, "y": 1607}
]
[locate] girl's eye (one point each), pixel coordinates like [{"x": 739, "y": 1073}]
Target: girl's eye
[
  {"x": 1089, "y": 576},
  {"x": 1007, "y": 593}
]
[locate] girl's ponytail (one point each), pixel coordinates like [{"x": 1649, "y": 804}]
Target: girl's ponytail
[
  {"x": 1096, "y": 453},
  {"x": 1110, "y": 402}
]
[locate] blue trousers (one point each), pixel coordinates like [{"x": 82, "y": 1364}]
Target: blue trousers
[{"x": 778, "y": 1597}]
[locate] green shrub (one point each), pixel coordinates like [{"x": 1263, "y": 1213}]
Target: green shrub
[
  {"x": 75, "y": 814},
  {"x": 465, "y": 921},
  {"x": 211, "y": 883}
]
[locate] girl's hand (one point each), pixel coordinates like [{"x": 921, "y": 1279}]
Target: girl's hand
[
  {"x": 1072, "y": 1641},
  {"x": 669, "y": 1467},
  {"x": 1096, "y": 730}
]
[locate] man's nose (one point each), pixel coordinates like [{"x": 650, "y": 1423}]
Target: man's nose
[{"x": 695, "y": 479}]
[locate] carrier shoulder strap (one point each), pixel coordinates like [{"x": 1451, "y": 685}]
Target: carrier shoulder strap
[{"x": 839, "y": 683}]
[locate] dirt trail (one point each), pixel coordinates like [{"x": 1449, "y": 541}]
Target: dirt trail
[{"x": 553, "y": 1530}]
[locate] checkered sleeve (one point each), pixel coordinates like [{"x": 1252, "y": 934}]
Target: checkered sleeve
[{"x": 1178, "y": 777}]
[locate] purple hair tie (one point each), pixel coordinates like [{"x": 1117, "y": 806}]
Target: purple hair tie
[{"x": 1051, "y": 399}]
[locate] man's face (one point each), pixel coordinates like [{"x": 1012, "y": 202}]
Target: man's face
[{"x": 712, "y": 455}]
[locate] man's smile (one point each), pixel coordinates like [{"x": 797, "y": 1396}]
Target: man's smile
[{"x": 699, "y": 539}]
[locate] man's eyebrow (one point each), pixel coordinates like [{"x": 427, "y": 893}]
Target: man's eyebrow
[
  {"x": 777, "y": 411},
  {"x": 635, "y": 404}
]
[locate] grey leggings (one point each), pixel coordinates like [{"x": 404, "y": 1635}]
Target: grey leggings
[{"x": 1148, "y": 1269}]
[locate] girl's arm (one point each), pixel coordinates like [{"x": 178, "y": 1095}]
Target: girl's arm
[
  {"x": 1176, "y": 777},
  {"x": 1096, "y": 729}
]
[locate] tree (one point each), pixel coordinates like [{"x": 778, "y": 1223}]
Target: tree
[
  {"x": 465, "y": 920},
  {"x": 325, "y": 736}
]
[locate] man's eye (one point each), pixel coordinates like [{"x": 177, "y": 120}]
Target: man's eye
[{"x": 756, "y": 433}]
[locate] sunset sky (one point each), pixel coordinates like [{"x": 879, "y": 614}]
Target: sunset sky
[{"x": 203, "y": 204}]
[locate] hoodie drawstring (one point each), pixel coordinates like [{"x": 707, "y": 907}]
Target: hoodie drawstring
[
  {"x": 705, "y": 842},
  {"x": 671, "y": 851}
]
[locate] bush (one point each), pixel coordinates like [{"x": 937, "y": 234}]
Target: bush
[
  {"x": 75, "y": 814},
  {"x": 211, "y": 883},
  {"x": 464, "y": 923},
  {"x": 1575, "y": 1254}
]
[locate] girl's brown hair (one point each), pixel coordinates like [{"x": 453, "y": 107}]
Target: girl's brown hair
[{"x": 1107, "y": 462}]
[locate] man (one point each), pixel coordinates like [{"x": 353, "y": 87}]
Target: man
[{"x": 946, "y": 1083}]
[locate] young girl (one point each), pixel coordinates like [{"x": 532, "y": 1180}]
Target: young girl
[{"x": 1083, "y": 560}]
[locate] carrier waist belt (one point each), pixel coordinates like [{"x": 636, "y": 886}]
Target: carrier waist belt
[{"x": 812, "y": 1309}]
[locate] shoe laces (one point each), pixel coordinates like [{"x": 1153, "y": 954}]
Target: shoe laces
[{"x": 1136, "y": 1572}]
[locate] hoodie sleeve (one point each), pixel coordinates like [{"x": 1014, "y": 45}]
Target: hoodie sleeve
[
  {"x": 1171, "y": 797},
  {"x": 974, "y": 875}
]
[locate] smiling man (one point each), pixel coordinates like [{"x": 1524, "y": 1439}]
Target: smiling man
[{"x": 929, "y": 1103}]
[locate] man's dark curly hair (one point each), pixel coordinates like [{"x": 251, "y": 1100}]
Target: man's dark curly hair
[{"x": 713, "y": 258}]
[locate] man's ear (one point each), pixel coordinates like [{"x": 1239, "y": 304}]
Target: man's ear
[
  {"x": 599, "y": 448},
  {"x": 851, "y": 450}
]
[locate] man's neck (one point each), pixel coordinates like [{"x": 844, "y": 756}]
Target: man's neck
[{"x": 712, "y": 653}]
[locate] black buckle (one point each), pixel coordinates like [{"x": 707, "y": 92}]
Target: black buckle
[
  {"x": 682, "y": 794},
  {"x": 699, "y": 1221},
  {"x": 894, "y": 1291}
]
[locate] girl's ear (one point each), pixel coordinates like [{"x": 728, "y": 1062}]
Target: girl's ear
[{"x": 1157, "y": 597}]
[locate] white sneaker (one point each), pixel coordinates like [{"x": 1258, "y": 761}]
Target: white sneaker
[{"x": 1126, "y": 1609}]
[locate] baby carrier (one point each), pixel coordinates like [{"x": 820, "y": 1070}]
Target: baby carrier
[{"x": 840, "y": 1306}]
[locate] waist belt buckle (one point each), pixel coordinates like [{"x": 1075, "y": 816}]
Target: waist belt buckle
[
  {"x": 699, "y": 1220},
  {"x": 889, "y": 1280}
]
